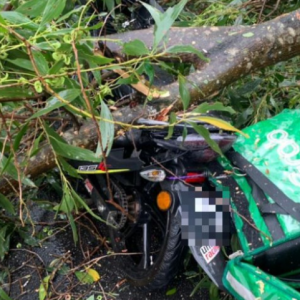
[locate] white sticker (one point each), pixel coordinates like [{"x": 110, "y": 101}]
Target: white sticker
[
  {"x": 88, "y": 168},
  {"x": 209, "y": 253}
]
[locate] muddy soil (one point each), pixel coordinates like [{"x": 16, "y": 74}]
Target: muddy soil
[{"x": 59, "y": 258}]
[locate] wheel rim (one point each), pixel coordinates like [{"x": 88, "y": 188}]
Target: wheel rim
[{"x": 147, "y": 243}]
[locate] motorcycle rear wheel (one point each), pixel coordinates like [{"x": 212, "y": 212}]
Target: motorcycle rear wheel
[{"x": 164, "y": 254}]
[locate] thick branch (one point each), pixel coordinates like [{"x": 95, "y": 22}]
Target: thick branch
[
  {"x": 86, "y": 138},
  {"x": 233, "y": 52}
]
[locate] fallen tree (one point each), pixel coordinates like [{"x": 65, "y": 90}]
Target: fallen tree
[{"x": 233, "y": 52}]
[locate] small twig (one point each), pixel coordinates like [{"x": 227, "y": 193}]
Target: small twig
[
  {"x": 106, "y": 18},
  {"x": 252, "y": 225},
  {"x": 274, "y": 9},
  {"x": 97, "y": 259},
  {"x": 261, "y": 10},
  {"x": 17, "y": 166},
  {"x": 88, "y": 104},
  {"x": 170, "y": 172},
  {"x": 103, "y": 292},
  {"x": 31, "y": 252}
]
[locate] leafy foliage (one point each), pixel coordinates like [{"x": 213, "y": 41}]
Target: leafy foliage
[{"x": 50, "y": 73}]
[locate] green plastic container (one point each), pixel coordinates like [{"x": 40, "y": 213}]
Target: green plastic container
[{"x": 265, "y": 191}]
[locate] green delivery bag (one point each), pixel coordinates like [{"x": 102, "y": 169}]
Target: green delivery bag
[
  {"x": 246, "y": 282},
  {"x": 265, "y": 192}
]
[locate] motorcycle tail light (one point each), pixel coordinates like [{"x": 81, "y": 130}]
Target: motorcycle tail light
[
  {"x": 195, "y": 178},
  {"x": 153, "y": 175},
  {"x": 164, "y": 200}
]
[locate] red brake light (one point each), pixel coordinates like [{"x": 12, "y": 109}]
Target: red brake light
[{"x": 195, "y": 178}]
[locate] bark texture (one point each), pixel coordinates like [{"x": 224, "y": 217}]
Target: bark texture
[{"x": 234, "y": 52}]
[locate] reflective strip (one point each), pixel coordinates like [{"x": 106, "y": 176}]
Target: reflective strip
[
  {"x": 103, "y": 172},
  {"x": 239, "y": 288}
]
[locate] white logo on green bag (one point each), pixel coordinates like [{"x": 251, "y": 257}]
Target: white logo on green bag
[{"x": 287, "y": 150}]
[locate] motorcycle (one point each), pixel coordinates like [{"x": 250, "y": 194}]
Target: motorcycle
[
  {"x": 140, "y": 191},
  {"x": 147, "y": 185},
  {"x": 159, "y": 196}
]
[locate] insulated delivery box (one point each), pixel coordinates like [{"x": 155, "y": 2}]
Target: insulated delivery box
[{"x": 266, "y": 209}]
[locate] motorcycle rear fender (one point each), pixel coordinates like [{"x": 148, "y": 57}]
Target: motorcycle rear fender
[{"x": 211, "y": 259}]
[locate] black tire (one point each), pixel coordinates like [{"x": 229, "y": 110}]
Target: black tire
[{"x": 165, "y": 264}]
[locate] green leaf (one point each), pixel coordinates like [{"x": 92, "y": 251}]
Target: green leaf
[
  {"x": 43, "y": 290},
  {"x": 6, "y": 204},
  {"x": 187, "y": 49},
  {"x": 56, "y": 67},
  {"x": 19, "y": 136},
  {"x": 54, "y": 103},
  {"x": 190, "y": 274},
  {"x": 15, "y": 92},
  {"x": 17, "y": 18},
  {"x": 219, "y": 123},
  {"x": 248, "y": 34},
  {"x": 171, "y": 292},
  {"x": 9, "y": 168},
  {"x": 68, "y": 203},
  {"x": 205, "y": 133},
  {"x": 28, "y": 239},
  {"x": 107, "y": 129},
  {"x": 80, "y": 201},
  {"x": 135, "y": 48},
  {"x": 65, "y": 150},
  {"x": 48, "y": 45},
  {"x": 149, "y": 70},
  {"x": 22, "y": 63},
  {"x": 41, "y": 62},
  {"x": 5, "y": 233},
  {"x": 110, "y": 4},
  {"x": 84, "y": 277},
  {"x": 206, "y": 107},
  {"x": 2, "y": 21},
  {"x": 32, "y": 8},
  {"x": 172, "y": 121},
  {"x": 70, "y": 13},
  {"x": 132, "y": 79},
  {"x": 68, "y": 168},
  {"x": 52, "y": 11},
  {"x": 203, "y": 283},
  {"x": 86, "y": 53},
  {"x": 3, "y": 295},
  {"x": 184, "y": 92},
  {"x": 213, "y": 292},
  {"x": 164, "y": 21},
  {"x": 35, "y": 148},
  {"x": 184, "y": 133},
  {"x": 60, "y": 32}
]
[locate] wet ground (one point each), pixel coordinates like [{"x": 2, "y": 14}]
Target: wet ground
[{"x": 59, "y": 259}]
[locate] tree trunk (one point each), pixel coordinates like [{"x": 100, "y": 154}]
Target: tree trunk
[{"x": 234, "y": 52}]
